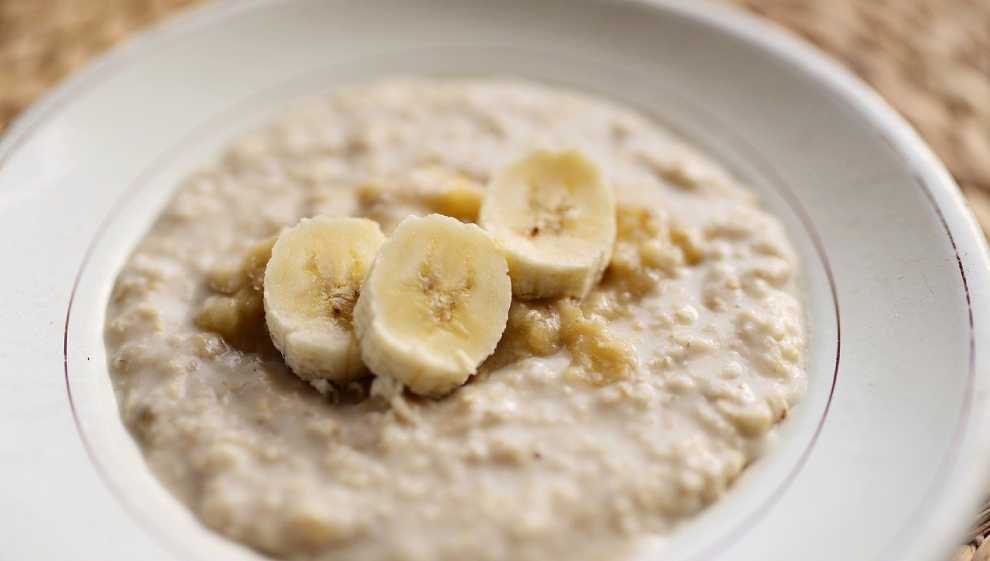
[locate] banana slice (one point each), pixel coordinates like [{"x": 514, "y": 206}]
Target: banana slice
[
  {"x": 312, "y": 281},
  {"x": 434, "y": 304},
  {"x": 554, "y": 214}
]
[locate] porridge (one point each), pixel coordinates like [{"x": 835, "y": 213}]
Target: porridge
[{"x": 606, "y": 414}]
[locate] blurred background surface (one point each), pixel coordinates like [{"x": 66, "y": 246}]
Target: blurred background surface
[{"x": 929, "y": 58}]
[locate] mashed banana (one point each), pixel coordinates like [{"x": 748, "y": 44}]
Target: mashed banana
[{"x": 595, "y": 426}]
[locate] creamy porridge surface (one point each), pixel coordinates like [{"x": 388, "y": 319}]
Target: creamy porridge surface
[{"x": 591, "y": 431}]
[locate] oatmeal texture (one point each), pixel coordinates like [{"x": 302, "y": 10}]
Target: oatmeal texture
[{"x": 594, "y": 428}]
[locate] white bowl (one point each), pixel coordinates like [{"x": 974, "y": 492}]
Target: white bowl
[{"x": 887, "y": 455}]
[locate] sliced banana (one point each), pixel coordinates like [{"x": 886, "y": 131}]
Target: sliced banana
[
  {"x": 312, "y": 281},
  {"x": 434, "y": 305},
  {"x": 425, "y": 190},
  {"x": 447, "y": 192},
  {"x": 554, "y": 214}
]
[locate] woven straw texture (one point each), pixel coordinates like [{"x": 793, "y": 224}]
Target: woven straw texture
[{"x": 929, "y": 58}]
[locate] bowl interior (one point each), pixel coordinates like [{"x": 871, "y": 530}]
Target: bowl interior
[{"x": 876, "y": 246}]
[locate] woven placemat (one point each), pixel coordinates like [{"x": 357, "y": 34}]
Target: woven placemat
[{"x": 929, "y": 58}]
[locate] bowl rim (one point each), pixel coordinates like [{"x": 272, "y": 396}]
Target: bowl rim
[{"x": 802, "y": 59}]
